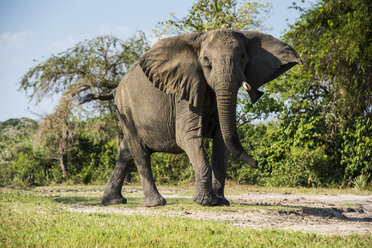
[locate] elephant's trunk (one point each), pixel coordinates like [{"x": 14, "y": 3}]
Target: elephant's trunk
[{"x": 226, "y": 105}]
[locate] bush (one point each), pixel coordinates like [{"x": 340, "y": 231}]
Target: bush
[
  {"x": 361, "y": 181},
  {"x": 302, "y": 167},
  {"x": 30, "y": 169},
  {"x": 296, "y": 151},
  {"x": 170, "y": 168},
  {"x": 356, "y": 149},
  {"x": 92, "y": 161}
]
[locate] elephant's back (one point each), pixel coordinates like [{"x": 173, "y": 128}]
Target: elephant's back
[{"x": 150, "y": 110}]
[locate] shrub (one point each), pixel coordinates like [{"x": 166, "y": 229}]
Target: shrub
[{"x": 356, "y": 149}]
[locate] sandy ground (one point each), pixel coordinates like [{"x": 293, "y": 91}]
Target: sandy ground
[{"x": 325, "y": 214}]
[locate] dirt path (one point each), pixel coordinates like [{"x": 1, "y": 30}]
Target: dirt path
[{"x": 325, "y": 214}]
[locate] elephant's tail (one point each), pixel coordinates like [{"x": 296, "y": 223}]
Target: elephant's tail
[{"x": 98, "y": 96}]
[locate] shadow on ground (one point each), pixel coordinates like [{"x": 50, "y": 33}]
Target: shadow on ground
[
  {"x": 85, "y": 201},
  {"x": 323, "y": 212}
]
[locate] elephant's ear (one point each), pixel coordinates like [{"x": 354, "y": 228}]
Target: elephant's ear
[
  {"x": 172, "y": 66},
  {"x": 268, "y": 58}
]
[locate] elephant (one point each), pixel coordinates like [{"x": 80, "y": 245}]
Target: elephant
[{"x": 184, "y": 89}]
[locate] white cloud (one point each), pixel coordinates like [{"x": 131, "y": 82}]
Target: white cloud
[{"x": 9, "y": 41}]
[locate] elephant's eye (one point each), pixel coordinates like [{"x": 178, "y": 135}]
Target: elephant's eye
[{"x": 206, "y": 62}]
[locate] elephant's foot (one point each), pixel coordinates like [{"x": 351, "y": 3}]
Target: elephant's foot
[
  {"x": 112, "y": 199},
  {"x": 205, "y": 199},
  {"x": 154, "y": 200},
  {"x": 222, "y": 201}
]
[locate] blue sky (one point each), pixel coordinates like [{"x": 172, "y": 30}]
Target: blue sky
[{"x": 30, "y": 31}]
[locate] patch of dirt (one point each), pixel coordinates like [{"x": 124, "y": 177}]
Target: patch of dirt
[{"x": 325, "y": 214}]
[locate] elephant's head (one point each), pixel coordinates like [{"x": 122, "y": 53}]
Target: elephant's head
[{"x": 223, "y": 59}]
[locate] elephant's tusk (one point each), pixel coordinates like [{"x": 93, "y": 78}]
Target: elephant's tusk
[{"x": 246, "y": 86}]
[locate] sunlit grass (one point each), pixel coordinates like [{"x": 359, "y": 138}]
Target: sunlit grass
[
  {"x": 30, "y": 220},
  {"x": 352, "y": 205}
]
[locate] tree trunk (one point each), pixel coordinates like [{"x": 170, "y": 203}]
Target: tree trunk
[
  {"x": 63, "y": 166},
  {"x": 61, "y": 159}
]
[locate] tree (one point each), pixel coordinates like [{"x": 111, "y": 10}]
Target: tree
[
  {"x": 335, "y": 42},
  {"x": 328, "y": 100},
  {"x": 16, "y": 144},
  {"x": 206, "y": 15},
  {"x": 56, "y": 135},
  {"x": 92, "y": 66}
]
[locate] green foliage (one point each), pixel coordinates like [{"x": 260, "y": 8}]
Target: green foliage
[
  {"x": 267, "y": 106},
  {"x": 289, "y": 154},
  {"x": 90, "y": 66},
  {"x": 99, "y": 164},
  {"x": 25, "y": 162},
  {"x": 94, "y": 155},
  {"x": 334, "y": 41},
  {"x": 207, "y": 15},
  {"x": 360, "y": 182},
  {"x": 15, "y": 150},
  {"x": 169, "y": 168},
  {"x": 356, "y": 153},
  {"x": 30, "y": 168}
]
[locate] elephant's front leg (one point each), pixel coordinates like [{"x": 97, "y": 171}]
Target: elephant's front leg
[
  {"x": 220, "y": 157},
  {"x": 204, "y": 194},
  {"x": 189, "y": 138}
]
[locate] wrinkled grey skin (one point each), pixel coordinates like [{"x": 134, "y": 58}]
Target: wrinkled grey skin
[{"x": 183, "y": 89}]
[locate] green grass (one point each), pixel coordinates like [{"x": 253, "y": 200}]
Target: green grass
[
  {"x": 29, "y": 219},
  {"x": 352, "y": 205}
]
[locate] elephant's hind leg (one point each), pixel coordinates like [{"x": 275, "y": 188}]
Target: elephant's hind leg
[{"x": 112, "y": 194}]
